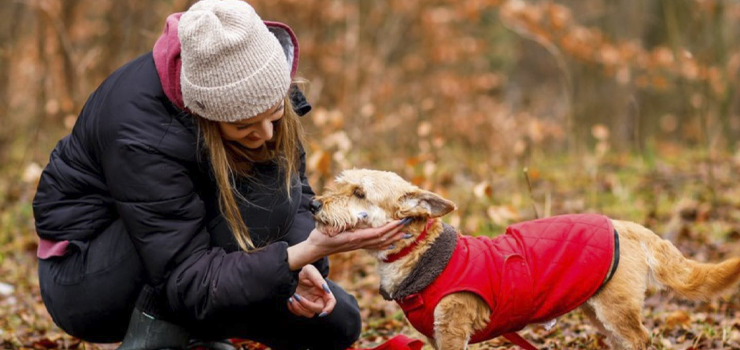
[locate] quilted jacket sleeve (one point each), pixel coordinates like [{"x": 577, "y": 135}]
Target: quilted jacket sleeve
[
  {"x": 303, "y": 222},
  {"x": 156, "y": 199}
]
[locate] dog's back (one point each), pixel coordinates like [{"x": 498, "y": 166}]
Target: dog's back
[{"x": 569, "y": 257}]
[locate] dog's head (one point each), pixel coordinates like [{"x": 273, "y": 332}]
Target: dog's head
[{"x": 370, "y": 198}]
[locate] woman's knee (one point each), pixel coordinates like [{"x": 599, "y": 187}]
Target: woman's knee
[
  {"x": 89, "y": 309},
  {"x": 91, "y": 291}
]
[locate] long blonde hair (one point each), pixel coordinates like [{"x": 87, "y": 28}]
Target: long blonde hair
[{"x": 229, "y": 161}]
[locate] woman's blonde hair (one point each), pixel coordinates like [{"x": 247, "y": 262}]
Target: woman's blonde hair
[{"x": 230, "y": 161}]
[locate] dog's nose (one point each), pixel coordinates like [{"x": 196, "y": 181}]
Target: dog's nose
[{"x": 315, "y": 206}]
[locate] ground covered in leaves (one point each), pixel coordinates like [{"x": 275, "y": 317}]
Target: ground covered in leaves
[{"x": 692, "y": 200}]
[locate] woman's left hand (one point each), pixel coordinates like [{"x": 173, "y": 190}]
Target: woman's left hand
[{"x": 312, "y": 296}]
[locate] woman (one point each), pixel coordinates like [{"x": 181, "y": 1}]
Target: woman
[{"x": 178, "y": 208}]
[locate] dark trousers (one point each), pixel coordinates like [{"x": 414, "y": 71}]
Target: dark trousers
[{"x": 90, "y": 293}]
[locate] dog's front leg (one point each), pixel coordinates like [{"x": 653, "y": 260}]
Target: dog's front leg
[{"x": 456, "y": 318}]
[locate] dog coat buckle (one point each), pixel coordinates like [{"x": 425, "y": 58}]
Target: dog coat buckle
[{"x": 411, "y": 302}]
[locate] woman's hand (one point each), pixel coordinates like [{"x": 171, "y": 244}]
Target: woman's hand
[
  {"x": 312, "y": 296},
  {"x": 319, "y": 245},
  {"x": 367, "y": 238}
]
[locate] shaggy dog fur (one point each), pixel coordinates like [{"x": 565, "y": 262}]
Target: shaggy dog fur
[{"x": 368, "y": 198}]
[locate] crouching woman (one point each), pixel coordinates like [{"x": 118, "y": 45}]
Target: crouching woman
[{"x": 177, "y": 211}]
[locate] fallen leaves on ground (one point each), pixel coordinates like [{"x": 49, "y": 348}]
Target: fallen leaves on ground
[{"x": 671, "y": 199}]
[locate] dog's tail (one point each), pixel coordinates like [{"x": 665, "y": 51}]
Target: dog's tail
[{"x": 689, "y": 278}]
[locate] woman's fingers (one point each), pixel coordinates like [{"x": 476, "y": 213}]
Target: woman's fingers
[
  {"x": 297, "y": 309},
  {"x": 359, "y": 239},
  {"x": 295, "y": 306},
  {"x": 397, "y": 237},
  {"x": 321, "y": 290},
  {"x": 379, "y": 234},
  {"x": 388, "y": 239},
  {"x": 313, "y": 275},
  {"x": 390, "y": 235},
  {"x": 329, "y": 302},
  {"x": 291, "y": 308},
  {"x": 331, "y": 233},
  {"x": 313, "y": 307}
]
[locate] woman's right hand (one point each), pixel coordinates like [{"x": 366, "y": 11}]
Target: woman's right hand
[
  {"x": 319, "y": 245},
  {"x": 366, "y": 238}
]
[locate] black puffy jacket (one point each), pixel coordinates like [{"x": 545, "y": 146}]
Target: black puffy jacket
[{"x": 132, "y": 155}]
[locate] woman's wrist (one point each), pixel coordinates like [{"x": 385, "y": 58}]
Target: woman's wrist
[{"x": 302, "y": 254}]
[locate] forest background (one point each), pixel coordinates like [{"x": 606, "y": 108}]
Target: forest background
[{"x": 512, "y": 109}]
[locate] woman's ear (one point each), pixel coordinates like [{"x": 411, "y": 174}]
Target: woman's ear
[{"x": 422, "y": 203}]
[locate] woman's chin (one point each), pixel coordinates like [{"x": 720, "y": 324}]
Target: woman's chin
[{"x": 251, "y": 144}]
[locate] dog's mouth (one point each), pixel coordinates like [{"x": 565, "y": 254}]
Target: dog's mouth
[{"x": 332, "y": 227}]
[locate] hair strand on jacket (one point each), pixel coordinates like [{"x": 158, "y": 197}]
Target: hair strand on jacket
[{"x": 229, "y": 161}]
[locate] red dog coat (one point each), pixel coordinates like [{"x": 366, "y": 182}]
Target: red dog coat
[{"x": 537, "y": 271}]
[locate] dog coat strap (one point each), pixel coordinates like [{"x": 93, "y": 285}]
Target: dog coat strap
[
  {"x": 399, "y": 342},
  {"x": 519, "y": 341},
  {"x": 411, "y": 302}
]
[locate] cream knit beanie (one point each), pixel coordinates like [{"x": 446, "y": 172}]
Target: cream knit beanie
[{"x": 233, "y": 68}]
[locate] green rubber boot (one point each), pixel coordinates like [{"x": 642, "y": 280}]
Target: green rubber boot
[{"x": 148, "y": 333}]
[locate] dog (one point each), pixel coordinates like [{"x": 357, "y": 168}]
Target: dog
[{"x": 537, "y": 271}]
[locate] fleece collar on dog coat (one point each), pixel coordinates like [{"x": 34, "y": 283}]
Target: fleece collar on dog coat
[{"x": 535, "y": 272}]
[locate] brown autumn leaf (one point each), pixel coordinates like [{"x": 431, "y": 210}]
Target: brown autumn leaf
[
  {"x": 320, "y": 161},
  {"x": 677, "y": 318},
  {"x": 483, "y": 190},
  {"x": 44, "y": 344},
  {"x": 502, "y": 215}
]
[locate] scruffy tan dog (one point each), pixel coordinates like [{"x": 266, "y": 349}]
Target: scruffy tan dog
[{"x": 368, "y": 198}]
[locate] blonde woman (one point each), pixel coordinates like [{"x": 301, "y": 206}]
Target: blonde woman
[{"x": 177, "y": 212}]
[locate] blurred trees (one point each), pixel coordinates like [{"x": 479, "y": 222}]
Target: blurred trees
[
  {"x": 456, "y": 96},
  {"x": 416, "y": 80}
]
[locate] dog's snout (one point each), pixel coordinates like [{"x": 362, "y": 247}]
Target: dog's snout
[{"x": 315, "y": 206}]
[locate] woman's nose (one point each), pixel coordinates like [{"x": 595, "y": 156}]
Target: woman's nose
[{"x": 265, "y": 130}]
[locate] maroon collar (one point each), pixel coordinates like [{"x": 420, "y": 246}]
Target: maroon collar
[{"x": 405, "y": 251}]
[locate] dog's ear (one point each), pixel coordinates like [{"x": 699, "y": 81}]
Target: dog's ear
[{"x": 423, "y": 203}]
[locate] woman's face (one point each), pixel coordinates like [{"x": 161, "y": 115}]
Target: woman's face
[{"x": 253, "y": 132}]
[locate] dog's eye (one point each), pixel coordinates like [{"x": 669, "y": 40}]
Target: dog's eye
[{"x": 358, "y": 193}]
